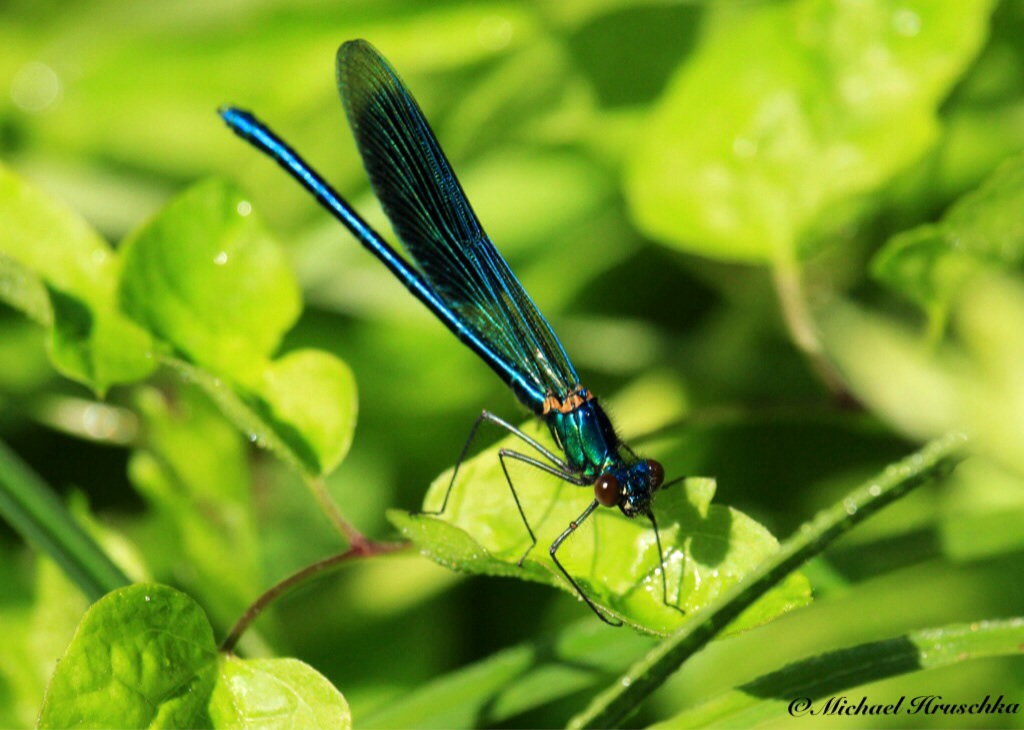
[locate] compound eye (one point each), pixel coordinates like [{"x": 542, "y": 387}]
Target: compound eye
[
  {"x": 606, "y": 489},
  {"x": 657, "y": 472}
]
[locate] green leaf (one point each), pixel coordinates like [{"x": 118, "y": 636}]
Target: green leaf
[
  {"x": 205, "y": 276},
  {"x": 315, "y": 393},
  {"x": 275, "y": 693},
  {"x": 507, "y": 684},
  {"x": 143, "y": 656},
  {"x": 34, "y": 637},
  {"x": 769, "y": 698},
  {"x": 707, "y": 548},
  {"x": 789, "y": 113},
  {"x": 308, "y": 445},
  {"x": 931, "y": 263},
  {"x": 45, "y": 246},
  {"x": 193, "y": 469},
  {"x": 208, "y": 279},
  {"x": 24, "y": 291}
]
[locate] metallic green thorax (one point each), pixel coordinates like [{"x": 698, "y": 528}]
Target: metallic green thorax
[
  {"x": 592, "y": 449},
  {"x": 587, "y": 437}
]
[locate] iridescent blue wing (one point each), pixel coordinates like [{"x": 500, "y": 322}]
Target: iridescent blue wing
[{"x": 435, "y": 223}]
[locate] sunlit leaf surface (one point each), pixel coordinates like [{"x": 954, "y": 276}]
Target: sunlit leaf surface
[{"x": 707, "y": 547}]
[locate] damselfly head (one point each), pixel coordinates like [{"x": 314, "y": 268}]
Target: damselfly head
[{"x": 630, "y": 487}]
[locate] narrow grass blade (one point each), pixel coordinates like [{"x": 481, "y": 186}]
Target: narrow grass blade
[{"x": 35, "y": 511}]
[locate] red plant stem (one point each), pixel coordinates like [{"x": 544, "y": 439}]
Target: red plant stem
[{"x": 362, "y": 549}]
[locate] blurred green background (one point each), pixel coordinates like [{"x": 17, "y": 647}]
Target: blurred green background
[{"x": 680, "y": 186}]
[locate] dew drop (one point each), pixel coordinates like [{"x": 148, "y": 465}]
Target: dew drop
[
  {"x": 221, "y": 258},
  {"x": 626, "y": 681},
  {"x": 147, "y": 599},
  {"x": 874, "y": 490},
  {"x": 244, "y": 208}
]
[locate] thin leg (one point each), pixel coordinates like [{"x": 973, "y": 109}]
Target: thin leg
[
  {"x": 491, "y": 418},
  {"x": 661, "y": 562},
  {"x": 571, "y": 478},
  {"x": 554, "y": 549}
]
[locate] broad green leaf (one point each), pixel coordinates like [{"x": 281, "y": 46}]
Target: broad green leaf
[
  {"x": 931, "y": 263},
  {"x": 770, "y": 697},
  {"x": 707, "y": 547},
  {"x": 46, "y": 247},
  {"x": 193, "y": 469},
  {"x": 206, "y": 277},
  {"x": 143, "y": 656},
  {"x": 275, "y": 693},
  {"x": 318, "y": 385},
  {"x": 789, "y": 113},
  {"x": 315, "y": 393}
]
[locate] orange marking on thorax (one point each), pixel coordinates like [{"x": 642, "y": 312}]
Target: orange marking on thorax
[{"x": 578, "y": 397}]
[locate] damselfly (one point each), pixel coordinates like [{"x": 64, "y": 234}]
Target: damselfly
[{"x": 460, "y": 277}]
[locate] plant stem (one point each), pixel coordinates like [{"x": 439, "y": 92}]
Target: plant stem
[
  {"x": 614, "y": 704},
  {"x": 37, "y": 513},
  {"x": 366, "y": 548},
  {"x": 352, "y": 535}
]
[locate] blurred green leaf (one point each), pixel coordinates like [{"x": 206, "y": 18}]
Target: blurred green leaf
[
  {"x": 275, "y": 693},
  {"x": 262, "y": 418},
  {"x": 770, "y": 697},
  {"x": 891, "y": 371},
  {"x": 144, "y": 656},
  {"x": 315, "y": 393},
  {"x": 192, "y": 467},
  {"x": 707, "y": 548},
  {"x": 44, "y": 245},
  {"x": 974, "y": 383},
  {"x": 25, "y": 292},
  {"x": 788, "y": 113},
  {"x": 33, "y": 639},
  {"x": 930, "y": 264},
  {"x": 205, "y": 276},
  {"x": 514, "y": 681}
]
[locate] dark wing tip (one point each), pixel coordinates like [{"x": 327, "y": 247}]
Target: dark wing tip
[{"x": 356, "y": 54}]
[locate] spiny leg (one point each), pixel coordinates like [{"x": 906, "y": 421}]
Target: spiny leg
[
  {"x": 554, "y": 549},
  {"x": 567, "y": 476},
  {"x": 491, "y": 418},
  {"x": 661, "y": 563}
]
